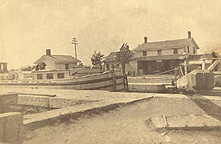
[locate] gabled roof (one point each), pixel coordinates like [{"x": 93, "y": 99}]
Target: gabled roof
[
  {"x": 111, "y": 57},
  {"x": 58, "y": 59},
  {"x": 170, "y": 44}
]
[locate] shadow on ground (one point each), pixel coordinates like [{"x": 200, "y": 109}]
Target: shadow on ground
[
  {"x": 215, "y": 92},
  {"x": 208, "y": 106}
]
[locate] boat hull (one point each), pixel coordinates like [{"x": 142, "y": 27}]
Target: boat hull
[{"x": 112, "y": 81}]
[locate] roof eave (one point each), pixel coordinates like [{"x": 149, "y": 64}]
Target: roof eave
[
  {"x": 194, "y": 42},
  {"x": 63, "y": 62}
]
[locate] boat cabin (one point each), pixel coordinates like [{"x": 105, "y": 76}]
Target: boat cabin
[{"x": 50, "y": 74}]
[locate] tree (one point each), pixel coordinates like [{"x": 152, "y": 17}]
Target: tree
[
  {"x": 40, "y": 66},
  {"x": 97, "y": 59},
  {"x": 123, "y": 57}
]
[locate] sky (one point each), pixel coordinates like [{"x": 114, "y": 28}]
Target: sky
[{"x": 29, "y": 27}]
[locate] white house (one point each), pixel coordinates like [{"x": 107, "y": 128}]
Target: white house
[
  {"x": 157, "y": 57},
  {"x": 54, "y": 62}
]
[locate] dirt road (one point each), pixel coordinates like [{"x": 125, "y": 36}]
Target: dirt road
[{"x": 126, "y": 125}]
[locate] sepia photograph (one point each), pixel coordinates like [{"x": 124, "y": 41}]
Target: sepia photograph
[{"x": 110, "y": 72}]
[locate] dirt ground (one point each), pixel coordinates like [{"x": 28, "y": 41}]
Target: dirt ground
[{"x": 126, "y": 125}]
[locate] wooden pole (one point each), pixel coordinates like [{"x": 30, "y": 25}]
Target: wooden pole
[{"x": 74, "y": 42}]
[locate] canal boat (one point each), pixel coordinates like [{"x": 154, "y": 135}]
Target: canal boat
[{"x": 62, "y": 79}]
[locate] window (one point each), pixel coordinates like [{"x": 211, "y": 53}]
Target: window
[
  {"x": 144, "y": 53},
  {"x": 60, "y": 75},
  {"x": 188, "y": 49},
  {"x": 108, "y": 66},
  {"x": 66, "y": 66},
  {"x": 175, "y": 51},
  {"x": 159, "y": 52},
  {"x": 50, "y": 76},
  {"x": 39, "y": 76},
  {"x": 194, "y": 50}
]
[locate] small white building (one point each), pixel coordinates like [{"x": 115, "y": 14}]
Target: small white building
[{"x": 57, "y": 62}]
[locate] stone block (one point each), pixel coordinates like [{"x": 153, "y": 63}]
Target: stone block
[
  {"x": 160, "y": 122},
  {"x": 11, "y": 127},
  {"x": 3, "y": 120},
  {"x": 33, "y": 100},
  {"x": 147, "y": 87},
  {"x": 186, "y": 122},
  {"x": 6, "y": 100}
]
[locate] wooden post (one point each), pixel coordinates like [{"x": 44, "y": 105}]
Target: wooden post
[
  {"x": 175, "y": 72},
  {"x": 114, "y": 81},
  {"x": 126, "y": 83},
  {"x": 204, "y": 64},
  {"x": 185, "y": 66},
  {"x": 181, "y": 71}
]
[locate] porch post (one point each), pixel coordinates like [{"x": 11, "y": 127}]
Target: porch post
[
  {"x": 203, "y": 64},
  {"x": 185, "y": 66}
]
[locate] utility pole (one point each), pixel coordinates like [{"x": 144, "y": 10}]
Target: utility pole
[{"x": 74, "y": 42}]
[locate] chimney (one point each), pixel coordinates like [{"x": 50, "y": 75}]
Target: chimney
[
  {"x": 145, "y": 39},
  {"x": 189, "y": 34},
  {"x": 48, "y": 52}
]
